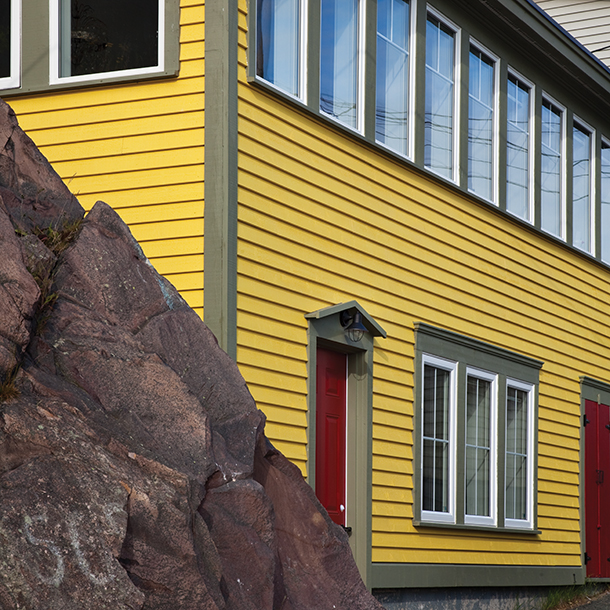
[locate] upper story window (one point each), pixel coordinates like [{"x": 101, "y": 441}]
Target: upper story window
[
  {"x": 392, "y": 107},
  {"x": 551, "y": 170},
  {"x": 279, "y": 43},
  {"x": 9, "y": 43},
  {"x": 605, "y": 200},
  {"x": 340, "y": 60},
  {"x": 518, "y": 197},
  {"x": 439, "y": 148},
  {"x": 481, "y": 128},
  {"x": 105, "y": 37},
  {"x": 581, "y": 187}
]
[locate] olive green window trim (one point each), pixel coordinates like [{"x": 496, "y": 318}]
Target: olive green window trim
[
  {"x": 35, "y": 52},
  {"x": 507, "y": 365},
  {"x": 418, "y": 575},
  {"x": 325, "y": 330}
]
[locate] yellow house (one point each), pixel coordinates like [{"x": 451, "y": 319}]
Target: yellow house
[{"x": 404, "y": 212}]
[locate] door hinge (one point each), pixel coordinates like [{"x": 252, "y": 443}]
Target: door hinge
[
  {"x": 600, "y": 477},
  {"x": 585, "y": 421},
  {"x": 587, "y": 559}
]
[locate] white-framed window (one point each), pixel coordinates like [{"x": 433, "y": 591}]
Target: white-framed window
[
  {"x": 519, "y": 101},
  {"x": 481, "y": 122},
  {"x": 480, "y": 447},
  {"x": 605, "y": 200},
  {"x": 441, "y": 110},
  {"x": 582, "y": 186},
  {"x": 552, "y": 155},
  {"x": 341, "y": 60},
  {"x": 475, "y": 433},
  {"x": 438, "y": 439},
  {"x": 10, "y": 47},
  {"x": 280, "y": 44},
  {"x": 105, "y": 38},
  {"x": 393, "y": 74},
  {"x": 519, "y": 454}
]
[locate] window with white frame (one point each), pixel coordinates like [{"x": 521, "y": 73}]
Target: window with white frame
[
  {"x": 105, "y": 37},
  {"x": 392, "y": 91},
  {"x": 279, "y": 40},
  {"x": 518, "y": 102},
  {"x": 581, "y": 186},
  {"x": 480, "y": 447},
  {"x": 481, "y": 128},
  {"x": 605, "y": 200},
  {"x": 552, "y": 215},
  {"x": 439, "y": 127},
  {"x": 340, "y": 60},
  {"x": 438, "y": 432},
  {"x": 519, "y": 454},
  {"x": 475, "y": 433},
  {"x": 10, "y": 20}
]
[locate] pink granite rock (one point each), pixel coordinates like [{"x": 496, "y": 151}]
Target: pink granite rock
[{"x": 134, "y": 470}]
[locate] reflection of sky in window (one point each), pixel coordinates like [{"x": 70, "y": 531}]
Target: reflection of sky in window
[
  {"x": 480, "y": 124},
  {"x": 581, "y": 189},
  {"x": 550, "y": 169},
  {"x": 392, "y": 74},
  {"x": 517, "y": 149},
  {"x": 112, "y": 35},
  {"x": 605, "y": 199},
  {"x": 438, "y": 146},
  {"x": 278, "y": 43},
  {"x": 5, "y": 38},
  {"x": 339, "y": 59}
]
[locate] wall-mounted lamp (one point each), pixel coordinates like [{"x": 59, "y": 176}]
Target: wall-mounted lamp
[{"x": 353, "y": 326}]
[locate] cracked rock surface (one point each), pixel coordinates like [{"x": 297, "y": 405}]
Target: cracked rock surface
[{"x": 134, "y": 469}]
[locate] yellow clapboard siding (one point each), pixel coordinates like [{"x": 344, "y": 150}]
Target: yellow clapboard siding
[
  {"x": 272, "y": 327},
  {"x": 178, "y": 210},
  {"x": 194, "y": 298},
  {"x": 282, "y": 416},
  {"x": 280, "y": 397},
  {"x": 154, "y": 194},
  {"x": 178, "y": 264},
  {"x": 261, "y": 340},
  {"x": 189, "y": 227},
  {"x": 186, "y": 281},
  {"x": 164, "y": 248}
]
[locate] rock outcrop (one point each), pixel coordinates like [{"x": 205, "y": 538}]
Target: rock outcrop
[{"x": 134, "y": 469}]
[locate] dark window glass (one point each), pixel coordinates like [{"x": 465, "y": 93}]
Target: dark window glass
[
  {"x": 5, "y": 38},
  {"x": 109, "y": 35}
]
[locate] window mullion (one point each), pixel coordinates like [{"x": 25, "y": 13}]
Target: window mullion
[{"x": 369, "y": 56}]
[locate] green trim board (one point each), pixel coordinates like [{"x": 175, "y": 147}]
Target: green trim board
[
  {"x": 220, "y": 186},
  {"x": 325, "y": 330},
  {"x": 419, "y": 575},
  {"x": 464, "y": 352}
]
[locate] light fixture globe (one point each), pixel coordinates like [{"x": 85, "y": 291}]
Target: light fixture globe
[{"x": 353, "y": 326}]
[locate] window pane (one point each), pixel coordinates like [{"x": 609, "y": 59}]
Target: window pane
[
  {"x": 581, "y": 189},
  {"x": 478, "y": 446},
  {"x": 438, "y": 151},
  {"x": 108, "y": 35},
  {"x": 5, "y": 38},
  {"x": 277, "y": 59},
  {"x": 516, "y": 453},
  {"x": 435, "y": 496},
  {"x": 480, "y": 124},
  {"x": 392, "y": 74},
  {"x": 550, "y": 180},
  {"x": 339, "y": 60},
  {"x": 517, "y": 149},
  {"x": 605, "y": 197}
]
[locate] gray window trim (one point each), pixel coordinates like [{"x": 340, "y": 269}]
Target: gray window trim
[
  {"x": 506, "y": 365},
  {"x": 35, "y": 52}
]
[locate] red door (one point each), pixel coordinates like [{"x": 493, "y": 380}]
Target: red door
[
  {"x": 330, "y": 432},
  {"x": 597, "y": 489}
]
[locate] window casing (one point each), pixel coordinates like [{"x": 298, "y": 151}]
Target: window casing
[
  {"x": 393, "y": 74},
  {"x": 605, "y": 200},
  {"x": 442, "y": 41},
  {"x": 518, "y": 147},
  {"x": 481, "y": 123},
  {"x": 582, "y": 186},
  {"x": 10, "y": 49},
  {"x": 552, "y": 189},
  {"x": 475, "y": 433},
  {"x": 279, "y": 44},
  {"x": 341, "y": 24}
]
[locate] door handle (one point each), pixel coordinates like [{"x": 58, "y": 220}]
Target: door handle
[{"x": 600, "y": 477}]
